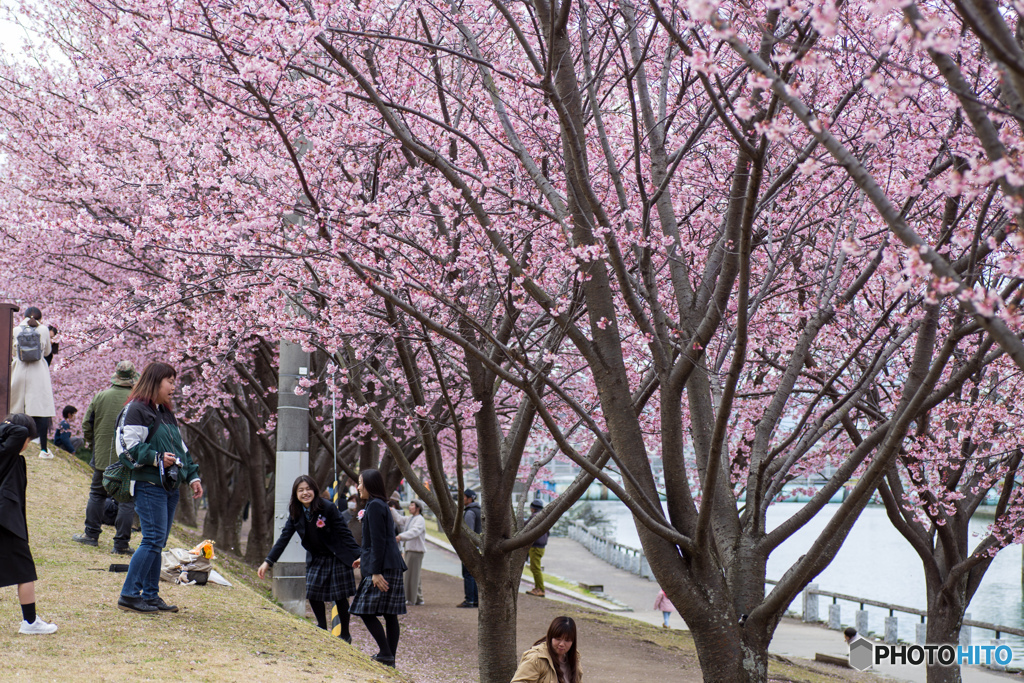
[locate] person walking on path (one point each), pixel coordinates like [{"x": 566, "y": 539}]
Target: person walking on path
[
  {"x": 537, "y": 553},
  {"x": 18, "y": 567},
  {"x": 381, "y": 591},
  {"x": 414, "y": 536},
  {"x": 98, "y": 428},
  {"x": 665, "y": 605},
  {"x": 471, "y": 517},
  {"x": 31, "y": 391},
  {"x": 330, "y": 551},
  {"x": 147, "y": 440},
  {"x": 554, "y": 658}
]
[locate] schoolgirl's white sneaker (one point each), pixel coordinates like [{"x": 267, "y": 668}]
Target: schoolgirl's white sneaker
[
  {"x": 36, "y": 628},
  {"x": 46, "y": 455}
]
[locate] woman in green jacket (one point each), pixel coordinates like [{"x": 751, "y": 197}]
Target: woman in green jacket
[{"x": 147, "y": 440}]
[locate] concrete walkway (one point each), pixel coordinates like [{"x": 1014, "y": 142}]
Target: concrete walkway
[{"x": 570, "y": 560}]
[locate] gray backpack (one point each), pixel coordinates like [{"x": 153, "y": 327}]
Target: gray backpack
[{"x": 30, "y": 346}]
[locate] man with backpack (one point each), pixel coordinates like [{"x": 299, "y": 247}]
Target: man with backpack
[
  {"x": 98, "y": 428},
  {"x": 31, "y": 391},
  {"x": 471, "y": 516}
]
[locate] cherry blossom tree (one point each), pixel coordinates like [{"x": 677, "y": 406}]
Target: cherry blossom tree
[
  {"x": 963, "y": 454},
  {"x": 603, "y": 229}
]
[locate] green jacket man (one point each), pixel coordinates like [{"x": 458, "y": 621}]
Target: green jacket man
[{"x": 98, "y": 428}]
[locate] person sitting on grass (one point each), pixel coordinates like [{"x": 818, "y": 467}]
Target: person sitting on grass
[
  {"x": 18, "y": 567},
  {"x": 62, "y": 436},
  {"x": 331, "y": 551}
]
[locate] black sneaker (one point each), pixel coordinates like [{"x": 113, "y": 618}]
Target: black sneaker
[
  {"x": 466, "y": 604},
  {"x": 135, "y": 604},
  {"x": 86, "y": 539},
  {"x": 122, "y": 551},
  {"x": 159, "y": 603}
]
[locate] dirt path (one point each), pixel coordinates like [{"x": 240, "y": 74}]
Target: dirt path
[{"x": 439, "y": 643}]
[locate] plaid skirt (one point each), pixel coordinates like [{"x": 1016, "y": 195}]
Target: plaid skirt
[
  {"x": 328, "y": 579},
  {"x": 372, "y": 602}
]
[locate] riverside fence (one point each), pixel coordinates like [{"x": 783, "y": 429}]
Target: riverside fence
[
  {"x": 621, "y": 556},
  {"x": 632, "y": 560}
]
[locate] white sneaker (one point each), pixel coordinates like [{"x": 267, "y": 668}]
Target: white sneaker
[
  {"x": 46, "y": 455},
  {"x": 37, "y": 627}
]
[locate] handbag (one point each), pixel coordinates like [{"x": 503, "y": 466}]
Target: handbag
[{"x": 117, "y": 482}]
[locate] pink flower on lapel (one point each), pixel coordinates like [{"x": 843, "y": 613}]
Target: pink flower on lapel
[
  {"x": 359, "y": 515},
  {"x": 321, "y": 523}
]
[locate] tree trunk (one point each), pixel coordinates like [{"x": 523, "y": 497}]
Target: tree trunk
[
  {"x": 185, "y": 513},
  {"x": 262, "y": 529},
  {"x": 498, "y": 584},
  {"x": 730, "y": 653},
  {"x": 944, "y": 622}
]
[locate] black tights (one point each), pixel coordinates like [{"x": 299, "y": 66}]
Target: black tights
[
  {"x": 388, "y": 643},
  {"x": 42, "y": 427},
  {"x": 320, "y": 611}
]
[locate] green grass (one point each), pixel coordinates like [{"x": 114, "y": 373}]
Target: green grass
[{"x": 221, "y": 634}]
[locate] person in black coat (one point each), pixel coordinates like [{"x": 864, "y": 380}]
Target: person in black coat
[
  {"x": 18, "y": 567},
  {"x": 382, "y": 590},
  {"x": 331, "y": 551}
]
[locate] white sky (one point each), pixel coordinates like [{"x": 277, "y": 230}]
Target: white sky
[{"x": 10, "y": 37}]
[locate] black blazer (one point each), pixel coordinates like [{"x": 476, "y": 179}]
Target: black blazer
[
  {"x": 13, "y": 479},
  {"x": 380, "y": 549},
  {"x": 325, "y": 533}
]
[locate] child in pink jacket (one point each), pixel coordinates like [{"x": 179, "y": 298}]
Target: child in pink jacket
[{"x": 665, "y": 605}]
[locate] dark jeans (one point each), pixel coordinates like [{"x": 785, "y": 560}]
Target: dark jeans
[
  {"x": 469, "y": 585},
  {"x": 156, "y": 511},
  {"x": 94, "y": 513}
]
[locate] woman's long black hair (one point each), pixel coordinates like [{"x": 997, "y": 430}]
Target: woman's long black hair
[
  {"x": 295, "y": 507},
  {"x": 373, "y": 482},
  {"x": 564, "y": 628}
]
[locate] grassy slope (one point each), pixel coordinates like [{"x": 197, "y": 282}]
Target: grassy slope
[{"x": 221, "y": 634}]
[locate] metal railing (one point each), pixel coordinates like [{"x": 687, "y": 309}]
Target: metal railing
[
  {"x": 621, "y": 556},
  {"x": 634, "y": 561},
  {"x": 810, "y": 613}
]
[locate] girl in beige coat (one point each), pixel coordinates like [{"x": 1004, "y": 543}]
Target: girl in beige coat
[
  {"x": 31, "y": 392},
  {"x": 553, "y": 658}
]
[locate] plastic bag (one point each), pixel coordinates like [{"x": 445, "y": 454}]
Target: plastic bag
[{"x": 204, "y": 549}]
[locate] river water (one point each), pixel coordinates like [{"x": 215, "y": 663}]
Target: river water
[{"x": 877, "y": 563}]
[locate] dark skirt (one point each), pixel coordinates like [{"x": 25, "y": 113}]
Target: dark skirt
[
  {"x": 328, "y": 579},
  {"x": 17, "y": 565},
  {"x": 369, "y": 601}
]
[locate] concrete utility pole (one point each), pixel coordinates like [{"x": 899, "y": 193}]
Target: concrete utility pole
[
  {"x": 292, "y": 460},
  {"x": 7, "y": 311}
]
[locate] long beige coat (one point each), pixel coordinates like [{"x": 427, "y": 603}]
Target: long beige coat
[
  {"x": 31, "y": 392},
  {"x": 537, "y": 666}
]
